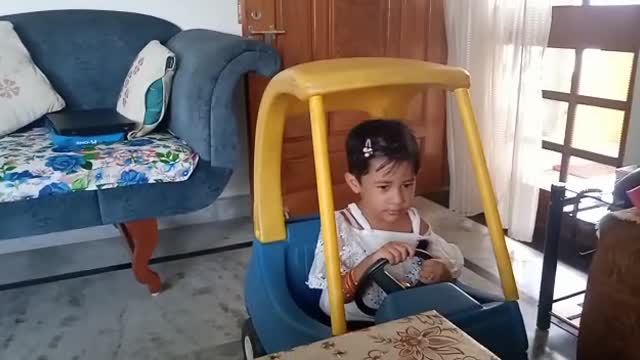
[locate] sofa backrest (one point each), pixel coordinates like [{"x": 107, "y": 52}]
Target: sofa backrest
[{"x": 86, "y": 54}]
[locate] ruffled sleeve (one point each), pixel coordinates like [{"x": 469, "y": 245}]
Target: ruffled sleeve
[
  {"x": 449, "y": 253},
  {"x": 351, "y": 254}
]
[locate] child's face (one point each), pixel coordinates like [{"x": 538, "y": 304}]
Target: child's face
[{"x": 386, "y": 193}]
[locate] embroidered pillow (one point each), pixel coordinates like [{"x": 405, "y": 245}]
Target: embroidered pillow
[
  {"x": 25, "y": 93},
  {"x": 145, "y": 92}
]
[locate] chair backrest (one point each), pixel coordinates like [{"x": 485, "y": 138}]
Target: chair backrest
[
  {"x": 86, "y": 54},
  {"x": 301, "y": 245}
]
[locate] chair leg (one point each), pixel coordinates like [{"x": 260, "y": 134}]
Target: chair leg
[{"x": 142, "y": 238}]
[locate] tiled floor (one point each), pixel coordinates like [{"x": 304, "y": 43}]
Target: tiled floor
[{"x": 109, "y": 316}]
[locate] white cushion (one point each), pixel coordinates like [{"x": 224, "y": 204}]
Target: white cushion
[
  {"x": 145, "y": 93},
  {"x": 25, "y": 93}
]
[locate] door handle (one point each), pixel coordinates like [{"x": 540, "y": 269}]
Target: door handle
[{"x": 269, "y": 35}]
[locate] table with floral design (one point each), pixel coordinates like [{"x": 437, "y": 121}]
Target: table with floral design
[{"x": 427, "y": 336}]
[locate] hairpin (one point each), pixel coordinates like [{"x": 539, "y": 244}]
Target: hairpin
[{"x": 367, "y": 149}]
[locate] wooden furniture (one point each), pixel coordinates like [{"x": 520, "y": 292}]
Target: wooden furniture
[
  {"x": 576, "y": 203},
  {"x": 304, "y": 31},
  {"x": 610, "y": 325},
  {"x": 424, "y": 336},
  {"x": 142, "y": 237}
]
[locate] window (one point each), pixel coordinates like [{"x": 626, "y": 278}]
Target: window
[{"x": 587, "y": 86}]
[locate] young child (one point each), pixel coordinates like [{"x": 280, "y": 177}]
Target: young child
[{"x": 383, "y": 159}]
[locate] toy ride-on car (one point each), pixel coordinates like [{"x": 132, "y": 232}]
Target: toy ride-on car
[{"x": 284, "y": 312}]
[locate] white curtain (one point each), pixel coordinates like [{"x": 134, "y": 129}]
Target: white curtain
[{"x": 501, "y": 44}]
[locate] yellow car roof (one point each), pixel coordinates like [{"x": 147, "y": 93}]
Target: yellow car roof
[{"x": 338, "y": 75}]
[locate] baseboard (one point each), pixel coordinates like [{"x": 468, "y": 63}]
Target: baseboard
[
  {"x": 105, "y": 253},
  {"x": 223, "y": 209},
  {"x": 227, "y": 208}
]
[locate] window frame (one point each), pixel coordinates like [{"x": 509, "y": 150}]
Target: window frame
[{"x": 571, "y": 28}]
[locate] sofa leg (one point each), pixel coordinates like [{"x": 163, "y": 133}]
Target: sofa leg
[{"x": 142, "y": 237}]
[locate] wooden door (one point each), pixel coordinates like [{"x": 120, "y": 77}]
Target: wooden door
[{"x": 324, "y": 29}]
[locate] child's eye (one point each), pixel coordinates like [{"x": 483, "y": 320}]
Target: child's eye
[
  {"x": 383, "y": 187},
  {"x": 408, "y": 185}
]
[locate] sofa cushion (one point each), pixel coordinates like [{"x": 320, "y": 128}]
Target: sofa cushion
[
  {"x": 145, "y": 92},
  {"x": 31, "y": 166},
  {"x": 112, "y": 206},
  {"x": 25, "y": 92},
  {"x": 86, "y": 53}
]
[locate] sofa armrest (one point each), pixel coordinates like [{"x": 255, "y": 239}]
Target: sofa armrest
[{"x": 209, "y": 66}]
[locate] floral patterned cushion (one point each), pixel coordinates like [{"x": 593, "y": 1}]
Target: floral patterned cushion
[
  {"x": 426, "y": 336},
  {"x": 31, "y": 166}
]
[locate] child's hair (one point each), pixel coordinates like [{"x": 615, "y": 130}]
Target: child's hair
[{"x": 372, "y": 139}]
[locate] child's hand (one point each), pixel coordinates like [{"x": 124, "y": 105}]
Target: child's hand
[
  {"x": 434, "y": 271},
  {"x": 395, "y": 252}
]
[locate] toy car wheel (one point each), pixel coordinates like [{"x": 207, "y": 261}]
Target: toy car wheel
[{"x": 251, "y": 346}]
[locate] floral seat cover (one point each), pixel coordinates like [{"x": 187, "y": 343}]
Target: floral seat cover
[{"x": 31, "y": 166}]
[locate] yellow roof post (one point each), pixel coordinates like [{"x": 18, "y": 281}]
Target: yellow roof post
[
  {"x": 485, "y": 187},
  {"x": 320, "y": 139}
]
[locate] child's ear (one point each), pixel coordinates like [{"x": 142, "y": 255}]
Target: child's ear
[{"x": 353, "y": 182}]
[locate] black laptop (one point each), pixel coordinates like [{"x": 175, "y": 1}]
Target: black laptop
[{"x": 90, "y": 122}]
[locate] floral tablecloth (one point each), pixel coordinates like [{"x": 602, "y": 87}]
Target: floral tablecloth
[
  {"x": 427, "y": 336},
  {"x": 31, "y": 166}
]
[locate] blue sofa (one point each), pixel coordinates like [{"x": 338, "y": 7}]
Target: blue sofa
[{"x": 86, "y": 55}]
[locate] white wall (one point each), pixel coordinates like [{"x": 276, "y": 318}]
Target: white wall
[{"x": 219, "y": 15}]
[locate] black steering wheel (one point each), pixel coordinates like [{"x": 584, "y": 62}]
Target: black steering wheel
[{"x": 378, "y": 275}]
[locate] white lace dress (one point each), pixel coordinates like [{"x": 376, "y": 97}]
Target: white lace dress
[{"x": 357, "y": 240}]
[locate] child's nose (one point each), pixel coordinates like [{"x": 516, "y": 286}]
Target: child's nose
[{"x": 398, "y": 197}]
